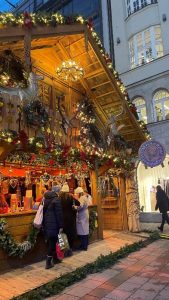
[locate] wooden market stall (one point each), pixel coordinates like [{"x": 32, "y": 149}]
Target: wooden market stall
[{"x": 43, "y": 46}]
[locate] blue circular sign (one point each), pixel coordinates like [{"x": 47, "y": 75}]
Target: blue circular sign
[{"x": 152, "y": 153}]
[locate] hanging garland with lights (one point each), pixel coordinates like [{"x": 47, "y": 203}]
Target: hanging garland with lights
[
  {"x": 90, "y": 137},
  {"x": 12, "y": 72},
  {"x": 73, "y": 158}
]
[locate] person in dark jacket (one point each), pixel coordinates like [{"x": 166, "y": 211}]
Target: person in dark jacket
[
  {"x": 69, "y": 215},
  {"x": 52, "y": 223},
  {"x": 163, "y": 205}
]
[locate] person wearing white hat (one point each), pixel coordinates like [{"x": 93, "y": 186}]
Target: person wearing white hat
[
  {"x": 82, "y": 218},
  {"x": 65, "y": 188},
  {"x": 69, "y": 215}
]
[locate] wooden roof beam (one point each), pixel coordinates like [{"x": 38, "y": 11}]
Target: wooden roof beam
[
  {"x": 105, "y": 94},
  {"x": 94, "y": 73},
  {"x": 18, "y": 33},
  {"x": 100, "y": 84}
]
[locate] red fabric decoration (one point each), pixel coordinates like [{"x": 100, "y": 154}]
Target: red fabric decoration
[
  {"x": 107, "y": 58},
  {"x": 90, "y": 23},
  {"x": 33, "y": 157},
  {"x": 83, "y": 155},
  {"x": 23, "y": 138},
  {"x": 69, "y": 20},
  {"x": 65, "y": 151},
  {"x": 51, "y": 162},
  {"x": 27, "y": 20}
]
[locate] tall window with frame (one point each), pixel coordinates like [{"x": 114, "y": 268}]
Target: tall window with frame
[
  {"x": 141, "y": 108},
  {"x": 145, "y": 46},
  {"x": 161, "y": 105}
]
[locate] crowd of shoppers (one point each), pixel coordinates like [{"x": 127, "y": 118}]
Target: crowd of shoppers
[{"x": 68, "y": 213}]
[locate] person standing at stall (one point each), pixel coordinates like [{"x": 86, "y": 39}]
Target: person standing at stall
[
  {"x": 163, "y": 205},
  {"x": 69, "y": 215},
  {"x": 82, "y": 219},
  {"x": 52, "y": 223}
]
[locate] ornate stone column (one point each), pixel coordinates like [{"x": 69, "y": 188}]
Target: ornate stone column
[{"x": 132, "y": 201}]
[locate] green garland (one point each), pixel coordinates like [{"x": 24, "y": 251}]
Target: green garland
[
  {"x": 12, "y": 72},
  {"x": 92, "y": 222},
  {"x": 12, "y": 248}
]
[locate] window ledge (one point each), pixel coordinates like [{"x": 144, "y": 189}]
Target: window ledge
[{"x": 145, "y": 65}]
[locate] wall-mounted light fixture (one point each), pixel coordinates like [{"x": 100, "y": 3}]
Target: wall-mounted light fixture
[
  {"x": 118, "y": 40},
  {"x": 164, "y": 17}
]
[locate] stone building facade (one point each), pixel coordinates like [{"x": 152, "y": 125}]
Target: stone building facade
[{"x": 141, "y": 53}]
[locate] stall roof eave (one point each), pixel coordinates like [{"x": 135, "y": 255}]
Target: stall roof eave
[{"x": 51, "y": 45}]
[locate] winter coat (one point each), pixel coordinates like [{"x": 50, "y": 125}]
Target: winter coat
[
  {"x": 82, "y": 218},
  {"x": 52, "y": 214},
  {"x": 162, "y": 201},
  {"x": 69, "y": 214}
]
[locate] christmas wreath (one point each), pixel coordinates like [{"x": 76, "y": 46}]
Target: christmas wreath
[
  {"x": 36, "y": 114},
  {"x": 8, "y": 244}
]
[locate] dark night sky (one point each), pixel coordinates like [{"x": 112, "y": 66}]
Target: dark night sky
[{"x": 4, "y": 6}]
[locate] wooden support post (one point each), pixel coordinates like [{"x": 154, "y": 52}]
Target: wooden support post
[
  {"x": 97, "y": 201},
  {"x": 123, "y": 204}
]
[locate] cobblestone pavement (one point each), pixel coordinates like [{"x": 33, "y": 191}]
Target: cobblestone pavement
[
  {"x": 20, "y": 280},
  {"x": 143, "y": 275}
]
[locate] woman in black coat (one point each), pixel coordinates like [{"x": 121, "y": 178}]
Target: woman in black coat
[
  {"x": 52, "y": 223},
  {"x": 163, "y": 205},
  {"x": 69, "y": 215}
]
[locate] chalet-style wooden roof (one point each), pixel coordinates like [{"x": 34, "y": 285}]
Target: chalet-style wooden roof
[{"x": 50, "y": 46}]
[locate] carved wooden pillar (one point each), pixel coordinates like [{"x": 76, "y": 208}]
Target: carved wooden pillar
[
  {"x": 133, "y": 207},
  {"x": 123, "y": 206},
  {"x": 97, "y": 201}
]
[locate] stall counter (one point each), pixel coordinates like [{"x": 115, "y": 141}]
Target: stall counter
[{"x": 19, "y": 225}]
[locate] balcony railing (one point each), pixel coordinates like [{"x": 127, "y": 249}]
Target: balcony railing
[{"x": 138, "y": 6}]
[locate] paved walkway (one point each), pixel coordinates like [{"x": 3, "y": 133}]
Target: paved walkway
[
  {"x": 154, "y": 226},
  {"x": 143, "y": 275},
  {"x": 19, "y": 281}
]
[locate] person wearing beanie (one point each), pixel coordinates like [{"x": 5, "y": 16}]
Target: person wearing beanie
[
  {"x": 56, "y": 188},
  {"x": 82, "y": 218},
  {"x": 69, "y": 215},
  {"x": 52, "y": 224}
]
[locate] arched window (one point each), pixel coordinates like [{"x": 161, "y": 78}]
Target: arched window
[
  {"x": 141, "y": 108},
  {"x": 161, "y": 105},
  {"x": 145, "y": 46}
]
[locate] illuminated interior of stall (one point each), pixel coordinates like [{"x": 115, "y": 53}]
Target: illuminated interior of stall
[{"x": 70, "y": 130}]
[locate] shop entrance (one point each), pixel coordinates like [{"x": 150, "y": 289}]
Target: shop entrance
[
  {"x": 113, "y": 202},
  {"x": 148, "y": 179}
]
